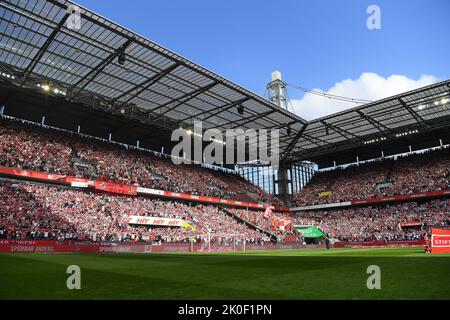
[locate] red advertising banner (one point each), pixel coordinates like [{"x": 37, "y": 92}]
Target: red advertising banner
[
  {"x": 403, "y": 197},
  {"x": 32, "y": 175},
  {"x": 379, "y": 244},
  {"x": 49, "y": 246},
  {"x": 117, "y": 188},
  {"x": 408, "y": 197},
  {"x": 440, "y": 240}
]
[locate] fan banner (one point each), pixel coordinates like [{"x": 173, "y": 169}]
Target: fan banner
[
  {"x": 155, "y": 221},
  {"x": 115, "y": 188}
]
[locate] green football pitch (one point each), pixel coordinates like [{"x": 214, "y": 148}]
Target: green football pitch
[{"x": 406, "y": 273}]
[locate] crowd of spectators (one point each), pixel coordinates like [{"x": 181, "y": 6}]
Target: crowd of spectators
[
  {"x": 278, "y": 224},
  {"x": 33, "y": 147},
  {"x": 47, "y": 212},
  {"x": 379, "y": 223},
  {"x": 412, "y": 174},
  {"x": 31, "y": 211}
]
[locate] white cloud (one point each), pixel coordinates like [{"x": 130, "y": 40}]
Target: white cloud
[{"x": 369, "y": 86}]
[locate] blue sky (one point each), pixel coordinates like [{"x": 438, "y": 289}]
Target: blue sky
[{"x": 315, "y": 44}]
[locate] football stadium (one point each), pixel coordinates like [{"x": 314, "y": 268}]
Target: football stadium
[{"x": 98, "y": 202}]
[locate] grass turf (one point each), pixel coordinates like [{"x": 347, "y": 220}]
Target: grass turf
[{"x": 406, "y": 273}]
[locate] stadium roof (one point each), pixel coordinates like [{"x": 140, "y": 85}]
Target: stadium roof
[
  {"x": 157, "y": 87},
  {"x": 154, "y": 84},
  {"x": 401, "y": 118}
]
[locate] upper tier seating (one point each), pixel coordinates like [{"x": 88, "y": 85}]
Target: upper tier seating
[
  {"x": 32, "y": 147},
  {"x": 411, "y": 174}
]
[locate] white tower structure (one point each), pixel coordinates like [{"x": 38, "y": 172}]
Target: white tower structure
[{"x": 277, "y": 90}]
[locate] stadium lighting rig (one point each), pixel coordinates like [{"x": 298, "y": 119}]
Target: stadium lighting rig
[
  {"x": 406, "y": 133},
  {"x": 49, "y": 89},
  {"x": 398, "y": 135},
  {"x": 442, "y": 102},
  {"x": 375, "y": 140},
  {"x": 196, "y": 134},
  {"x": 7, "y": 76},
  {"x": 192, "y": 133}
]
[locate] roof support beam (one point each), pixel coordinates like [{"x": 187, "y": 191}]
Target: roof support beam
[
  {"x": 144, "y": 85},
  {"x": 181, "y": 100},
  {"x": 91, "y": 75},
  {"x": 33, "y": 63},
  {"x": 315, "y": 140},
  {"x": 187, "y": 64},
  {"x": 381, "y": 127},
  {"x": 284, "y": 125},
  {"x": 344, "y": 133},
  {"x": 292, "y": 144},
  {"x": 247, "y": 120},
  {"x": 414, "y": 114},
  {"x": 217, "y": 110},
  {"x": 262, "y": 115}
]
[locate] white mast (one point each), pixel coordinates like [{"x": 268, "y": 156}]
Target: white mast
[{"x": 277, "y": 90}]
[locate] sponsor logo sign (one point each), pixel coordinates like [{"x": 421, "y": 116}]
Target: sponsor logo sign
[{"x": 440, "y": 240}]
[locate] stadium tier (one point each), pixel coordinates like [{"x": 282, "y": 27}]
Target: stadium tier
[
  {"x": 407, "y": 175},
  {"x": 32, "y": 211},
  {"x": 108, "y": 81},
  {"x": 35, "y": 148},
  {"x": 406, "y": 221},
  {"x": 43, "y": 212}
]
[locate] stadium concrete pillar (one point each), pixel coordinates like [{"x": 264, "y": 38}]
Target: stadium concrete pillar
[
  {"x": 283, "y": 190},
  {"x": 2, "y": 109}
]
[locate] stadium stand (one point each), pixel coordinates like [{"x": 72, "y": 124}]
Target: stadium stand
[
  {"x": 31, "y": 211},
  {"x": 405, "y": 221},
  {"x": 413, "y": 174},
  {"x": 74, "y": 79},
  {"x": 279, "y": 224},
  {"x": 36, "y": 148},
  {"x": 36, "y": 212}
]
